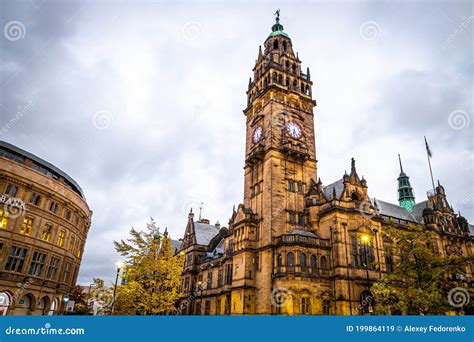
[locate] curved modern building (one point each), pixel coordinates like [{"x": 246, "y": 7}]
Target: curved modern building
[{"x": 44, "y": 221}]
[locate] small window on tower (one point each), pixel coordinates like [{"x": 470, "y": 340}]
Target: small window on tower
[
  {"x": 275, "y": 44},
  {"x": 284, "y": 46}
]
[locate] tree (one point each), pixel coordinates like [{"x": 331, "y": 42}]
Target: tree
[
  {"x": 79, "y": 298},
  {"x": 152, "y": 273},
  {"x": 421, "y": 278}
]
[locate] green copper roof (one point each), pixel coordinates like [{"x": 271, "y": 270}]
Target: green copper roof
[{"x": 277, "y": 33}]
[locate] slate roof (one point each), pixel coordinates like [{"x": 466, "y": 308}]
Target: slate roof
[
  {"x": 393, "y": 210},
  {"x": 302, "y": 232},
  {"x": 204, "y": 232},
  {"x": 176, "y": 244},
  {"x": 338, "y": 185},
  {"x": 418, "y": 210}
]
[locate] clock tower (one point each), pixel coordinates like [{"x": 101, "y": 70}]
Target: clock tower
[{"x": 280, "y": 158}]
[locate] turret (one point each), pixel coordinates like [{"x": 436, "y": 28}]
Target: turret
[{"x": 406, "y": 197}]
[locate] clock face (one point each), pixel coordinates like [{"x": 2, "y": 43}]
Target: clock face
[
  {"x": 257, "y": 134},
  {"x": 294, "y": 130}
]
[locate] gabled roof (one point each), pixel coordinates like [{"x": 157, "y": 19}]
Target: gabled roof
[
  {"x": 204, "y": 232},
  {"x": 338, "y": 185}
]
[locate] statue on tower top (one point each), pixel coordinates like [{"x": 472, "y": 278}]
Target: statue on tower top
[{"x": 277, "y": 14}]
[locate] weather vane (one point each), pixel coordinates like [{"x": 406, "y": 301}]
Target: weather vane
[{"x": 277, "y": 13}]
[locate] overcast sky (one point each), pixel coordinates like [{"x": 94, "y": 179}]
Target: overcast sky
[{"x": 141, "y": 101}]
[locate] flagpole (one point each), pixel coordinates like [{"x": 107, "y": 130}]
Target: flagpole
[{"x": 429, "y": 164}]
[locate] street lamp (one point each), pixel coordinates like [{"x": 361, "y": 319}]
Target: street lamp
[{"x": 119, "y": 264}]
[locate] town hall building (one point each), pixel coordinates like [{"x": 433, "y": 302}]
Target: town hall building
[{"x": 295, "y": 246}]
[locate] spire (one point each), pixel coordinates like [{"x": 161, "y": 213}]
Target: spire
[
  {"x": 406, "y": 198},
  {"x": 401, "y": 167}
]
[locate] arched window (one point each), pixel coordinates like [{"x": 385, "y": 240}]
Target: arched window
[
  {"x": 287, "y": 81},
  {"x": 275, "y": 44},
  {"x": 324, "y": 263},
  {"x": 293, "y": 68},
  {"x": 279, "y": 261},
  {"x": 284, "y": 46},
  {"x": 275, "y": 76},
  {"x": 290, "y": 261},
  {"x": 314, "y": 263},
  {"x": 303, "y": 264},
  {"x": 280, "y": 79},
  {"x": 287, "y": 65}
]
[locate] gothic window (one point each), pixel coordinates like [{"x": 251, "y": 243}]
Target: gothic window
[
  {"x": 301, "y": 219},
  {"x": 324, "y": 263},
  {"x": 11, "y": 190},
  {"x": 275, "y": 44},
  {"x": 284, "y": 46},
  {"x": 388, "y": 260},
  {"x": 291, "y": 185},
  {"x": 305, "y": 306},
  {"x": 290, "y": 261},
  {"x": 228, "y": 274},
  {"x": 295, "y": 85},
  {"x": 300, "y": 187},
  {"x": 314, "y": 263},
  {"x": 362, "y": 253},
  {"x": 280, "y": 79},
  {"x": 291, "y": 217},
  {"x": 287, "y": 65},
  {"x": 303, "y": 264},
  {"x": 287, "y": 81},
  {"x": 293, "y": 68},
  {"x": 279, "y": 262},
  {"x": 326, "y": 307},
  {"x": 220, "y": 278}
]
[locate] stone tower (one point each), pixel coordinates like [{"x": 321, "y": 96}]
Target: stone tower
[{"x": 280, "y": 161}]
